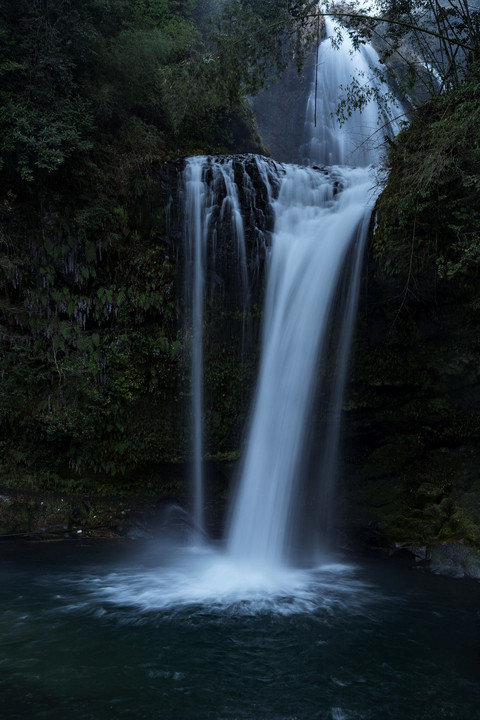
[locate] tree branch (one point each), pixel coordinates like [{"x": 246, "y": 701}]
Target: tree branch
[{"x": 401, "y": 23}]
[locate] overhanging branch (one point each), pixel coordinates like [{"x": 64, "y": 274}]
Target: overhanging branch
[{"x": 401, "y": 23}]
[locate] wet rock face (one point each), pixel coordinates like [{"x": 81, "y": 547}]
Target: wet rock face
[
  {"x": 281, "y": 109},
  {"x": 413, "y": 424},
  {"x": 235, "y": 194},
  {"x": 455, "y": 559},
  {"x": 255, "y": 191},
  {"x": 49, "y": 516},
  {"x": 255, "y": 185}
]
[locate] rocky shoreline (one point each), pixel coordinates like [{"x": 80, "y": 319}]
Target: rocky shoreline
[{"x": 39, "y": 518}]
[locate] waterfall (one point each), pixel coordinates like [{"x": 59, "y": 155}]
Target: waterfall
[
  {"x": 321, "y": 217},
  {"x": 358, "y": 140},
  {"x": 316, "y": 223},
  {"x": 347, "y": 316},
  {"x": 213, "y": 205},
  {"x": 197, "y": 212}
]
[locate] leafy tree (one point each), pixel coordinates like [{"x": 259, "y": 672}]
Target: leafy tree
[
  {"x": 438, "y": 41},
  {"x": 74, "y": 71},
  {"x": 44, "y": 119},
  {"x": 260, "y": 39}
]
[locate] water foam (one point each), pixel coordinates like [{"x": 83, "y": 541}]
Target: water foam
[{"x": 194, "y": 580}]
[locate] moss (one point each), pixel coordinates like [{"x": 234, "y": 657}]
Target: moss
[
  {"x": 466, "y": 515},
  {"x": 393, "y": 456},
  {"x": 428, "y": 215},
  {"x": 413, "y": 412},
  {"x": 430, "y": 497}
]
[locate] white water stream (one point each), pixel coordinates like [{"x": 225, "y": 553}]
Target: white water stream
[
  {"x": 313, "y": 275},
  {"x": 314, "y": 230},
  {"x": 203, "y": 202},
  {"x": 196, "y": 220},
  {"x": 358, "y": 140}
]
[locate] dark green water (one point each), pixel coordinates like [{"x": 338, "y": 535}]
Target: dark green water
[{"x": 89, "y": 632}]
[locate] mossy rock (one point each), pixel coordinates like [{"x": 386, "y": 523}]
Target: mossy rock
[
  {"x": 393, "y": 456},
  {"x": 467, "y": 516}
]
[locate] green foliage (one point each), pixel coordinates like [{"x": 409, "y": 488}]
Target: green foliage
[
  {"x": 43, "y": 119},
  {"x": 93, "y": 94},
  {"x": 429, "y": 218},
  {"x": 88, "y": 316},
  {"x": 260, "y": 39},
  {"x": 418, "y": 356},
  {"x": 75, "y": 75}
]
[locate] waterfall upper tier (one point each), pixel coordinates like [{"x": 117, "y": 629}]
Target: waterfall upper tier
[{"x": 337, "y": 131}]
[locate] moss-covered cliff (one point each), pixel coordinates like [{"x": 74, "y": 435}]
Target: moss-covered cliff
[
  {"x": 95, "y": 98},
  {"x": 414, "y": 412}
]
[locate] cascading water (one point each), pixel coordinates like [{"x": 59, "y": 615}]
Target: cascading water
[
  {"x": 212, "y": 208},
  {"x": 196, "y": 204},
  {"x": 316, "y": 224},
  {"x": 321, "y": 218},
  {"x": 358, "y": 139}
]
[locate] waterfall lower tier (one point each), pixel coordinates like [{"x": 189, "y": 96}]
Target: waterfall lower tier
[
  {"x": 319, "y": 220},
  {"x": 282, "y": 510},
  {"x": 196, "y": 209}
]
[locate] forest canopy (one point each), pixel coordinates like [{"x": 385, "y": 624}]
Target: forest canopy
[{"x": 73, "y": 70}]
